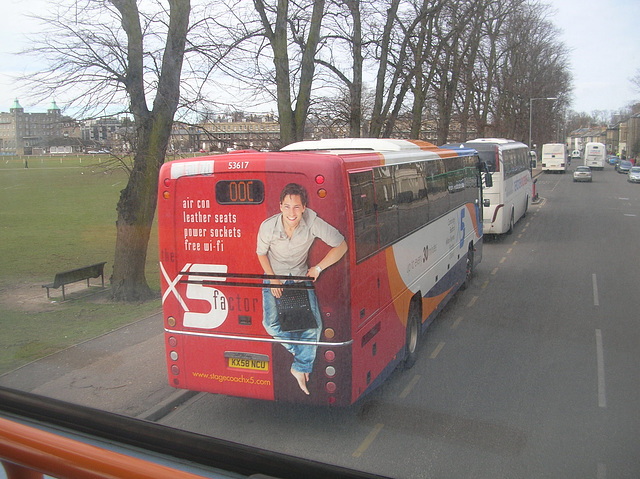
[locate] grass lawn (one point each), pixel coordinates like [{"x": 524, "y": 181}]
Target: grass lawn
[{"x": 55, "y": 215}]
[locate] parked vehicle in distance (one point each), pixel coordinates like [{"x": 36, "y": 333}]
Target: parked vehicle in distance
[
  {"x": 582, "y": 173},
  {"x": 509, "y": 163},
  {"x": 575, "y": 154},
  {"x": 594, "y": 155},
  {"x": 554, "y": 157},
  {"x": 624, "y": 166},
  {"x": 613, "y": 160},
  {"x": 634, "y": 174}
]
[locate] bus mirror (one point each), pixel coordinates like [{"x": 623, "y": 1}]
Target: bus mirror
[
  {"x": 534, "y": 164},
  {"x": 484, "y": 168},
  {"x": 486, "y": 203},
  {"x": 488, "y": 180}
]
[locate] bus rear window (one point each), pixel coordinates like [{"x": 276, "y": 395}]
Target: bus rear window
[{"x": 240, "y": 192}]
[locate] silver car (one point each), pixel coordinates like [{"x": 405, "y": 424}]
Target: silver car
[
  {"x": 582, "y": 173},
  {"x": 634, "y": 174}
]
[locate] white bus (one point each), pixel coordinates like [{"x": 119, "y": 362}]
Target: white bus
[
  {"x": 508, "y": 199},
  {"x": 595, "y": 155},
  {"x": 554, "y": 157}
]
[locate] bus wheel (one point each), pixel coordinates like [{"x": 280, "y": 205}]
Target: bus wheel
[
  {"x": 511, "y": 224},
  {"x": 413, "y": 338},
  {"x": 469, "y": 272}
]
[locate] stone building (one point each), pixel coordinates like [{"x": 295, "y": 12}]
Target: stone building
[{"x": 20, "y": 132}]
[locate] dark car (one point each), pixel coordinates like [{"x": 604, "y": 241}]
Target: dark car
[{"x": 623, "y": 167}]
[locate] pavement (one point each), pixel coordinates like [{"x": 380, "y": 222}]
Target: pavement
[{"x": 123, "y": 372}]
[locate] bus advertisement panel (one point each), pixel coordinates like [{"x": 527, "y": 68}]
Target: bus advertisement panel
[
  {"x": 554, "y": 157},
  {"x": 594, "y": 155},
  {"x": 307, "y": 275},
  {"x": 508, "y": 199}
]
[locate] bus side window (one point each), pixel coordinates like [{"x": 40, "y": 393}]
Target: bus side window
[
  {"x": 437, "y": 189},
  {"x": 455, "y": 182},
  {"x": 365, "y": 226},
  {"x": 387, "y": 204},
  {"x": 412, "y": 210}
]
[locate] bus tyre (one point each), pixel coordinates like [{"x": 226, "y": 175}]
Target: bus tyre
[
  {"x": 469, "y": 268},
  {"x": 511, "y": 224},
  {"x": 413, "y": 339}
]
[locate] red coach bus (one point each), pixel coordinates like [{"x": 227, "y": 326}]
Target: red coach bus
[{"x": 410, "y": 215}]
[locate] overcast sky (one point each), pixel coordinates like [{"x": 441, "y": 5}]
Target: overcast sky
[{"x": 603, "y": 37}]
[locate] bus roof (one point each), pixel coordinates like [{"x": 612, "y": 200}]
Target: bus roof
[
  {"x": 486, "y": 144},
  {"x": 366, "y": 144},
  {"x": 352, "y": 151},
  {"x": 500, "y": 141}
]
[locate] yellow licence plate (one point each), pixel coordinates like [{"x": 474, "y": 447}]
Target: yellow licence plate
[{"x": 254, "y": 362}]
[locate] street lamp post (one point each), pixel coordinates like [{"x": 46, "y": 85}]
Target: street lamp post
[{"x": 531, "y": 114}]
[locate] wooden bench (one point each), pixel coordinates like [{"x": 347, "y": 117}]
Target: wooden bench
[{"x": 75, "y": 275}]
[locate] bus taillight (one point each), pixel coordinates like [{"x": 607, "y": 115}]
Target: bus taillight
[
  {"x": 329, "y": 355},
  {"x": 322, "y": 193}
]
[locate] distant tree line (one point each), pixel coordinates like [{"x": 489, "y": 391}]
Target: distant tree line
[
  {"x": 359, "y": 64},
  {"x": 363, "y": 64}
]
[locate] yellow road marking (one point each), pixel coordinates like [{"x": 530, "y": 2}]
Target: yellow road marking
[
  {"x": 410, "y": 386},
  {"x": 437, "y": 350},
  {"x": 368, "y": 440}
]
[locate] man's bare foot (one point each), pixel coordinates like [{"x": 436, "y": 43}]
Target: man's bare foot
[{"x": 302, "y": 379}]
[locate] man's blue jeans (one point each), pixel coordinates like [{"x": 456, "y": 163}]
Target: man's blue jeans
[{"x": 304, "y": 355}]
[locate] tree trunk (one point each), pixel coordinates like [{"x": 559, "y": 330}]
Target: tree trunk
[
  {"x": 137, "y": 204},
  {"x": 377, "y": 115}
]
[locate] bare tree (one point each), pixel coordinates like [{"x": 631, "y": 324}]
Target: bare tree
[
  {"x": 276, "y": 23},
  {"x": 385, "y": 87},
  {"x": 105, "y": 52},
  {"x": 535, "y": 65},
  {"x": 344, "y": 26},
  {"x": 425, "y": 50}
]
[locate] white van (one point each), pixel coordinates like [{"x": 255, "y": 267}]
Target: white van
[
  {"x": 554, "y": 157},
  {"x": 594, "y": 155}
]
